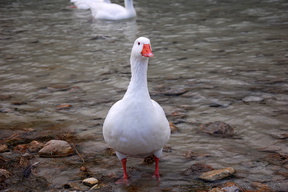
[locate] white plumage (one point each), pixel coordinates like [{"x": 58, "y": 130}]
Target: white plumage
[{"x": 136, "y": 125}]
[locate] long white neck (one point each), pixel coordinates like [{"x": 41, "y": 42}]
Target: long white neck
[
  {"x": 138, "y": 84},
  {"x": 129, "y": 5}
]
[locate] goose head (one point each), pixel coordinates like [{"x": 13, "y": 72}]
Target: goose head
[{"x": 142, "y": 48}]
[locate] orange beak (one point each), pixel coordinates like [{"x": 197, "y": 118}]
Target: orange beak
[{"x": 146, "y": 51}]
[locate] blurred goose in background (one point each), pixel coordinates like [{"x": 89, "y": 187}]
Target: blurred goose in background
[
  {"x": 108, "y": 11},
  {"x": 86, "y": 4}
]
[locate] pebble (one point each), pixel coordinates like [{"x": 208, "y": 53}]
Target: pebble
[
  {"x": 197, "y": 168},
  {"x": 4, "y": 174},
  {"x": 252, "y": 99},
  {"x": 56, "y": 148},
  {"x": 90, "y": 181},
  {"x": 3, "y": 148},
  {"x": 217, "y": 128},
  {"x": 173, "y": 127},
  {"x": 219, "y": 174},
  {"x": 261, "y": 187},
  {"x": 63, "y": 106},
  {"x": 35, "y": 146}
]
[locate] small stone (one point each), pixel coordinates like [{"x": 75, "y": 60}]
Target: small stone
[
  {"x": 231, "y": 189},
  {"x": 3, "y": 148},
  {"x": 173, "y": 128},
  {"x": 218, "y": 129},
  {"x": 261, "y": 187},
  {"x": 19, "y": 102},
  {"x": 217, "y": 174},
  {"x": 63, "y": 106},
  {"x": 35, "y": 146},
  {"x": 216, "y": 190},
  {"x": 148, "y": 160},
  {"x": 197, "y": 168},
  {"x": 192, "y": 155},
  {"x": 83, "y": 168},
  {"x": 56, "y": 148},
  {"x": 90, "y": 181},
  {"x": 4, "y": 174},
  {"x": 252, "y": 99},
  {"x": 20, "y": 148}
]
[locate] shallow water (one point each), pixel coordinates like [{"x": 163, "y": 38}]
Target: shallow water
[{"x": 206, "y": 52}]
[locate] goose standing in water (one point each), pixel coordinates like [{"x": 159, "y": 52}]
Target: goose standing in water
[{"x": 136, "y": 125}]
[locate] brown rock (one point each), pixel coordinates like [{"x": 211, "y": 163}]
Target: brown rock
[
  {"x": 173, "y": 127},
  {"x": 20, "y": 148},
  {"x": 216, "y": 190},
  {"x": 217, "y": 174},
  {"x": 4, "y": 174},
  {"x": 261, "y": 187},
  {"x": 3, "y": 148},
  {"x": 192, "y": 155},
  {"x": 218, "y": 129},
  {"x": 63, "y": 106},
  {"x": 197, "y": 168},
  {"x": 56, "y": 148},
  {"x": 35, "y": 146}
]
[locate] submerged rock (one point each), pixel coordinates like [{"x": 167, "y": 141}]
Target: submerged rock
[
  {"x": 219, "y": 174},
  {"x": 252, "y": 99},
  {"x": 261, "y": 187},
  {"x": 218, "y": 129},
  {"x": 197, "y": 168},
  {"x": 56, "y": 148}
]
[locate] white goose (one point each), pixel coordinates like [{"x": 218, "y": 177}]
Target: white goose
[
  {"x": 86, "y": 4},
  {"x": 112, "y": 11},
  {"x": 136, "y": 125}
]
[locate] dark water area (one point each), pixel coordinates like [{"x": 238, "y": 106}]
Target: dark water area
[{"x": 214, "y": 60}]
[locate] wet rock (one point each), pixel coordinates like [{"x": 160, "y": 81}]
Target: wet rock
[
  {"x": 4, "y": 174},
  {"x": 22, "y": 148},
  {"x": 63, "y": 106},
  {"x": 218, "y": 129},
  {"x": 175, "y": 92},
  {"x": 56, "y": 148},
  {"x": 3, "y": 148},
  {"x": 192, "y": 155},
  {"x": 197, "y": 168},
  {"x": 83, "y": 169},
  {"x": 252, "y": 99},
  {"x": 173, "y": 127},
  {"x": 276, "y": 159},
  {"x": 167, "y": 148},
  {"x": 90, "y": 181},
  {"x": 35, "y": 146},
  {"x": 19, "y": 102},
  {"x": 5, "y": 97},
  {"x": 261, "y": 187},
  {"x": 219, "y": 104},
  {"x": 231, "y": 189},
  {"x": 219, "y": 174},
  {"x": 148, "y": 160},
  {"x": 216, "y": 189}
]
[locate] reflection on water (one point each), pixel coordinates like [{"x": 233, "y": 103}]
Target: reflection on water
[{"x": 218, "y": 51}]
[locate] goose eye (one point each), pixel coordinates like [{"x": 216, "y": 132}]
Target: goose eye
[{"x": 138, "y": 43}]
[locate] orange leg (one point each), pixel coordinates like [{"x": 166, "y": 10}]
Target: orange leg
[
  {"x": 156, "y": 172},
  {"x": 124, "y": 179}
]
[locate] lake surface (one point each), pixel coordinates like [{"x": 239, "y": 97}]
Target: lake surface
[{"x": 214, "y": 60}]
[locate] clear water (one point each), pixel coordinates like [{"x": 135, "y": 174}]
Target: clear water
[{"x": 217, "y": 51}]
